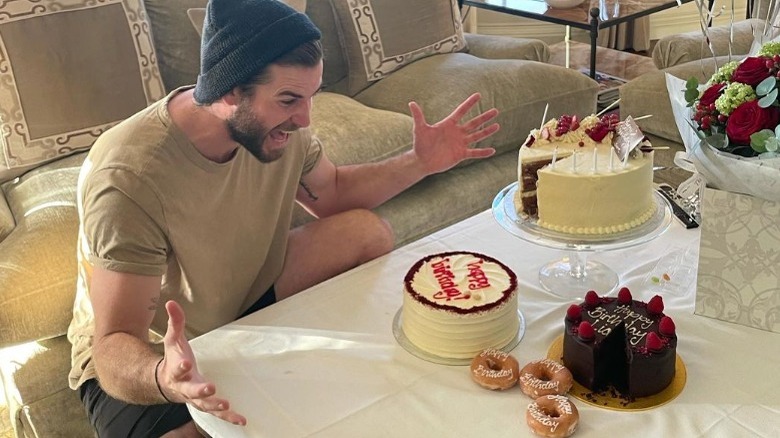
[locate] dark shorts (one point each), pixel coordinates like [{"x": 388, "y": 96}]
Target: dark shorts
[{"x": 114, "y": 418}]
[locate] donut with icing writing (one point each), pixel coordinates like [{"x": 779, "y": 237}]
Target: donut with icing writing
[
  {"x": 545, "y": 377},
  {"x": 552, "y": 416},
  {"x": 495, "y": 369}
]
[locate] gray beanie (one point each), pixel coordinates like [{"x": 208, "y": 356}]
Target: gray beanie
[{"x": 240, "y": 37}]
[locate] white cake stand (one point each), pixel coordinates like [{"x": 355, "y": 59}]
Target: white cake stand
[{"x": 573, "y": 275}]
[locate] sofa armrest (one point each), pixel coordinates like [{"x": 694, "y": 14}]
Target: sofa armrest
[
  {"x": 685, "y": 47},
  {"x": 38, "y": 258},
  {"x": 7, "y": 222},
  {"x": 504, "y": 47}
]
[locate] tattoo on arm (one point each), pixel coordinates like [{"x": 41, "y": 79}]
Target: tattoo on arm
[
  {"x": 311, "y": 194},
  {"x": 155, "y": 304}
]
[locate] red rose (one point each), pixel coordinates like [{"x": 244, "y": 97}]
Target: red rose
[
  {"x": 711, "y": 94},
  {"x": 749, "y": 118},
  {"x": 751, "y": 71}
]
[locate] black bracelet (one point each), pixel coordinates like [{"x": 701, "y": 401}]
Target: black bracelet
[{"x": 157, "y": 380}]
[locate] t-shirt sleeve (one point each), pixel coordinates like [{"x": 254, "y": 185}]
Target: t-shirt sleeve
[
  {"x": 313, "y": 154},
  {"x": 123, "y": 224}
]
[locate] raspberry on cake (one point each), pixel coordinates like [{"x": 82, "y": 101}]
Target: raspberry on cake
[
  {"x": 627, "y": 344},
  {"x": 457, "y": 304},
  {"x": 586, "y": 177}
]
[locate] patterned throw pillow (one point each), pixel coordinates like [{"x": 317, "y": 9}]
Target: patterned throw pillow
[
  {"x": 69, "y": 70},
  {"x": 381, "y": 36}
]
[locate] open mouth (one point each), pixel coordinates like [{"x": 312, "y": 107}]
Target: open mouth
[{"x": 279, "y": 136}]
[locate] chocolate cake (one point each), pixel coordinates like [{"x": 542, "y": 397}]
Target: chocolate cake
[{"x": 620, "y": 342}]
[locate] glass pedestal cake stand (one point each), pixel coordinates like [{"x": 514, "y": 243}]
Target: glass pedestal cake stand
[{"x": 573, "y": 275}]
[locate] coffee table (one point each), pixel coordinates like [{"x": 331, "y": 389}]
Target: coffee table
[
  {"x": 591, "y": 15},
  {"x": 324, "y": 363}
]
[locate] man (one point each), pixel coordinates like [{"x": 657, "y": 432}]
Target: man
[{"x": 189, "y": 203}]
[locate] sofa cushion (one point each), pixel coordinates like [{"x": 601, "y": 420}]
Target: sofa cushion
[
  {"x": 69, "y": 72},
  {"x": 175, "y": 40},
  {"x": 38, "y": 258},
  {"x": 647, "y": 95},
  {"x": 380, "y": 37},
  {"x": 353, "y": 133},
  {"x": 506, "y": 47},
  {"x": 335, "y": 66},
  {"x": 439, "y": 83},
  {"x": 36, "y": 387},
  {"x": 449, "y": 197},
  {"x": 686, "y": 47}
]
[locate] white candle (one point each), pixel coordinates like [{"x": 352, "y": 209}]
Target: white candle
[
  {"x": 595, "y": 159},
  {"x": 625, "y": 160},
  {"x": 544, "y": 116},
  {"x": 574, "y": 162},
  {"x": 555, "y": 157},
  {"x": 611, "y": 161}
]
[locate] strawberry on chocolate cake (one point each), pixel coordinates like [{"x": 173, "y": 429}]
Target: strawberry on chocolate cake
[{"x": 620, "y": 342}]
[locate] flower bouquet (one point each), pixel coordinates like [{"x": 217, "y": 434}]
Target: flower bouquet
[
  {"x": 738, "y": 110},
  {"x": 730, "y": 125}
]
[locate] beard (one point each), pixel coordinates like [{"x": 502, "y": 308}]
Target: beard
[{"x": 245, "y": 130}]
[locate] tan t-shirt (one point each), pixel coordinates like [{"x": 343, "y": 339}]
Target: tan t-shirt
[{"x": 149, "y": 203}]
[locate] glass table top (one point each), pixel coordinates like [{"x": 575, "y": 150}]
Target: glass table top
[{"x": 611, "y": 12}]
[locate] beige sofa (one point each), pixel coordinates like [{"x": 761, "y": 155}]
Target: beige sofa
[{"x": 73, "y": 69}]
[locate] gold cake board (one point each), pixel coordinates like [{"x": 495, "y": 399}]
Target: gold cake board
[{"x": 610, "y": 399}]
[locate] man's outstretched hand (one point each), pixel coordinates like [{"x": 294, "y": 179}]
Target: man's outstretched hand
[
  {"x": 441, "y": 146},
  {"x": 178, "y": 374}
]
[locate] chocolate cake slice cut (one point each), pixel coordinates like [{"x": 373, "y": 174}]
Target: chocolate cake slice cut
[{"x": 620, "y": 343}]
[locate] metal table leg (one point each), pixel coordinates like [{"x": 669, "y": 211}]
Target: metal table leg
[{"x": 594, "y": 34}]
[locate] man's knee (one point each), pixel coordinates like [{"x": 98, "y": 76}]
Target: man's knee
[{"x": 376, "y": 233}]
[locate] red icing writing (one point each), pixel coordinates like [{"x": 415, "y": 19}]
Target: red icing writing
[
  {"x": 449, "y": 290},
  {"x": 477, "y": 277}
]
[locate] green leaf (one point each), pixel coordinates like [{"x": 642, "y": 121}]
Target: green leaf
[
  {"x": 718, "y": 141},
  {"x": 765, "y": 86},
  {"x": 691, "y": 90},
  {"x": 691, "y": 95},
  {"x": 768, "y": 100},
  {"x": 758, "y": 140}
]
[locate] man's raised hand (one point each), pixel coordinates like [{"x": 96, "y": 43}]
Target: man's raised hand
[{"x": 441, "y": 146}]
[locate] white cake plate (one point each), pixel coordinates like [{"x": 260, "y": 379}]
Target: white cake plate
[{"x": 574, "y": 274}]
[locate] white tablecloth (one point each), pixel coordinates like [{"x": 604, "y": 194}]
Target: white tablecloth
[{"x": 325, "y": 363}]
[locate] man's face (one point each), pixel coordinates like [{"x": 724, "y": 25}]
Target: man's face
[{"x": 263, "y": 122}]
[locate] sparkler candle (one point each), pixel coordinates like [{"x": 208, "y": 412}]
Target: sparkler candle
[
  {"x": 595, "y": 160},
  {"x": 611, "y": 161},
  {"x": 555, "y": 157}
]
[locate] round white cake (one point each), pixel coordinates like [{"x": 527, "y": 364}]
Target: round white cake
[
  {"x": 457, "y": 304},
  {"x": 586, "y": 177}
]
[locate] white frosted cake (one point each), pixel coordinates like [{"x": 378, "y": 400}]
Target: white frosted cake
[
  {"x": 581, "y": 177},
  {"x": 457, "y": 304}
]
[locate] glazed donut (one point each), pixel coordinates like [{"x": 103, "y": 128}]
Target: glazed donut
[
  {"x": 552, "y": 416},
  {"x": 495, "y": 369},
  {"x": 545, "y": 377}
]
